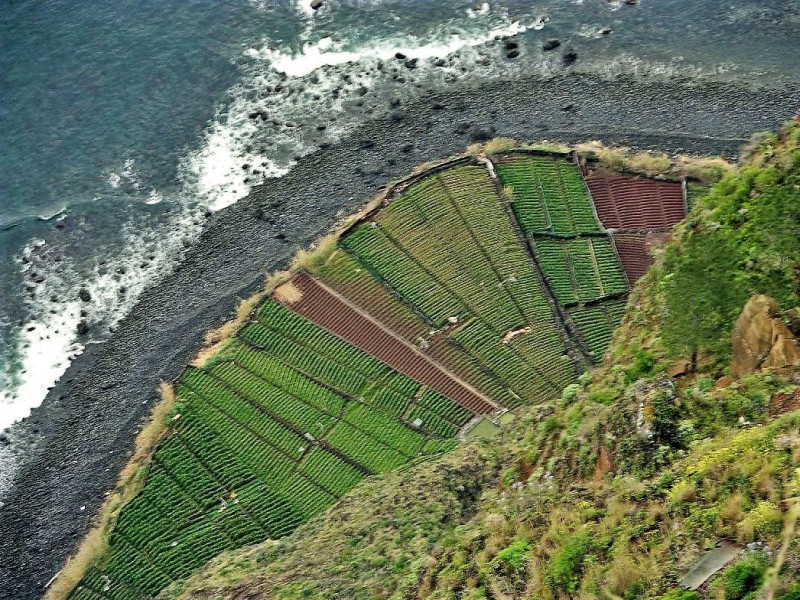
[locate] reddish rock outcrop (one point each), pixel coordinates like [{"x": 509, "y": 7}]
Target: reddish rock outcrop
[{"x": 761, "y": 340}]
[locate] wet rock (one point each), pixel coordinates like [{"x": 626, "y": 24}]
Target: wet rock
[
  {"x": 400, "y": 56},
  {"x": 440, "y": 62},
  {"x": 411, "y": 64},
  {"x": 606, "y": 30},
  {"x": 438, "y": 106},
  {"x": 37, "y": 277},
  {"x": 570, "y": 58},
  {"x": 316, "y": 4},
  {"x": 550, "y": 45},
  {"x": 568, "y": 107},
  {"x": 511, "y": 44},
  {"x": 513, "y": 54},
  {"x": 407, "y": 147},
  {"x": 258, "y": 114},
  {"x": 83, "y": 328},
  {"x": 482, "y": 134},
  {"x": 84, "y": 295}
]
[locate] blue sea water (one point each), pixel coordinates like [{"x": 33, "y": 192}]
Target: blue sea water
[{"x": 122, "y": 123}]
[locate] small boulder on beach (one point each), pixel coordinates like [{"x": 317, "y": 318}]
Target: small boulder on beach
[{"x": 550, "y": 45}]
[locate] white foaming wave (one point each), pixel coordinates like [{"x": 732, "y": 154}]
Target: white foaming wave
[
  {"x": 214, "y": 176},
  {"x": 48, "y": 342},
  {"x": 477, "y": 11},
  {"x": 325, "y": 52}
]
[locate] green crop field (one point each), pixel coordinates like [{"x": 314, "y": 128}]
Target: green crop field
[
  {"x": 509, "y": 295},
  {"x": 273, "y": 431}
]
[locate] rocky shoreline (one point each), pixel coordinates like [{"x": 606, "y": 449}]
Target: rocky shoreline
[{"x": 82, "y": 435}]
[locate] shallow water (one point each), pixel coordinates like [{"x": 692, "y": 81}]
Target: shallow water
[{"x": 123, "y": 123}]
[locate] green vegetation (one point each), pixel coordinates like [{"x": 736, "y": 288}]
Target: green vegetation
[
  {"x": 448, "y": 249},
  {"x": 555, "y": 212},
  {"x": 614, "y": 489},
  {"x": 271, "y": 432},
  {"x": 743, "y": 237}
]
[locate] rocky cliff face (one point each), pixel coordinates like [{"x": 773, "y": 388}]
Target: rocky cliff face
[{"x": 761, "y": 340}]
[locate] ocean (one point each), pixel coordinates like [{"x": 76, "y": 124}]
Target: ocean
[{"x": 125, "y": 125}]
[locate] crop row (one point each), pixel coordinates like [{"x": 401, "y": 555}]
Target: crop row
[
  {"x": 366, "y": 450},
  {"x": 289, "y": 408},
  {"x": 581, "y": 269},
  {"x": 489, "y": 223},
  {"x": 549, "y": 195},
  {"x": 382, "y": 257},
  {"x": 330, "y": 471},
  {"x": 346, "y": 275},
  {"x": 481, "y": 342},
  {"x": 279, "y": 374},
  {"x": 595, "y": 328},
  {"x": 293, "y": 326},
  {"x": 444, "y": 244},
  {"x": 387, "y": 430},
  {"x": 444, "y": 407}
]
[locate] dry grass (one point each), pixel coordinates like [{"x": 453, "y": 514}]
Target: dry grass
[
  {"x": 707, "y": 169},
  {"x": 288, "y": 293},
  {"x": 95, "y": 543},
  {"x": 319, "y": 252},
  {"x": 474, "y": 149},
  {"x": 216, "y": 339},
  {"x": 500, "y": 144}
]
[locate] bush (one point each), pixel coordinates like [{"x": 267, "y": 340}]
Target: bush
[
  {"x": 513, "y": 559},
  {"x": 763, "y": 521},
  {"x": 570, "y": 394},
  {"x": 741, "y": 581},
  {"x": 644, "y": 364},
  {"x": 566, "y": 568},
  {"x": 792, "y": 593}
]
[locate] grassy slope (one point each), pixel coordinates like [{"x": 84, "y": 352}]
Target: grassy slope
[{"x": 615, "y": 489}]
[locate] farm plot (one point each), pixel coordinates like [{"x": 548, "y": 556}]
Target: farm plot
[
  {"x": 320, "y": 304},
  {"x": 283, "y": 422},
  {"x": 597, "y": 323},
  {"x": 445, "y": 304},
  {"x": 635, "y": 203},
  {"x": 450, "y": 232},
  {"x": 549, "y": 195},
  {"x": 581, "y": 269}
]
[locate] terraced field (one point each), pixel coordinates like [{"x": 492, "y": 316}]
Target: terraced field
[{"x": 450, "y": 301}]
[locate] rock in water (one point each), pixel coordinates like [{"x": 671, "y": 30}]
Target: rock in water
[
  {"x": 550, "y": 45},
  {"x": 761, "y": 340},
  {"x": 316, "y": 4}
]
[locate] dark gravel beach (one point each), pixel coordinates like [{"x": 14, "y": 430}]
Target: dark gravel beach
[{"x": 79, "y": 439}]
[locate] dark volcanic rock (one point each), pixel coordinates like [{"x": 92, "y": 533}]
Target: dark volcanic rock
[
  {"x": 512, "y": 54},
  {"x": 550, "y": 45},
  {"x": 76, "y": 458},
  {"x": 316, "y": 4},
  {"x": 84, "y": 295}
]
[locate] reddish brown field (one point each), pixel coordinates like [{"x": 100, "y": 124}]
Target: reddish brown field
[
  {"x": 625, "y": 202},
  {"x": 327, "y": 309}
]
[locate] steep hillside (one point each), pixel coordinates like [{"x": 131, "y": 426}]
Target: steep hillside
[
  {"x": 472, "y": 288},
  {"x": 684, "y": 444}
]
